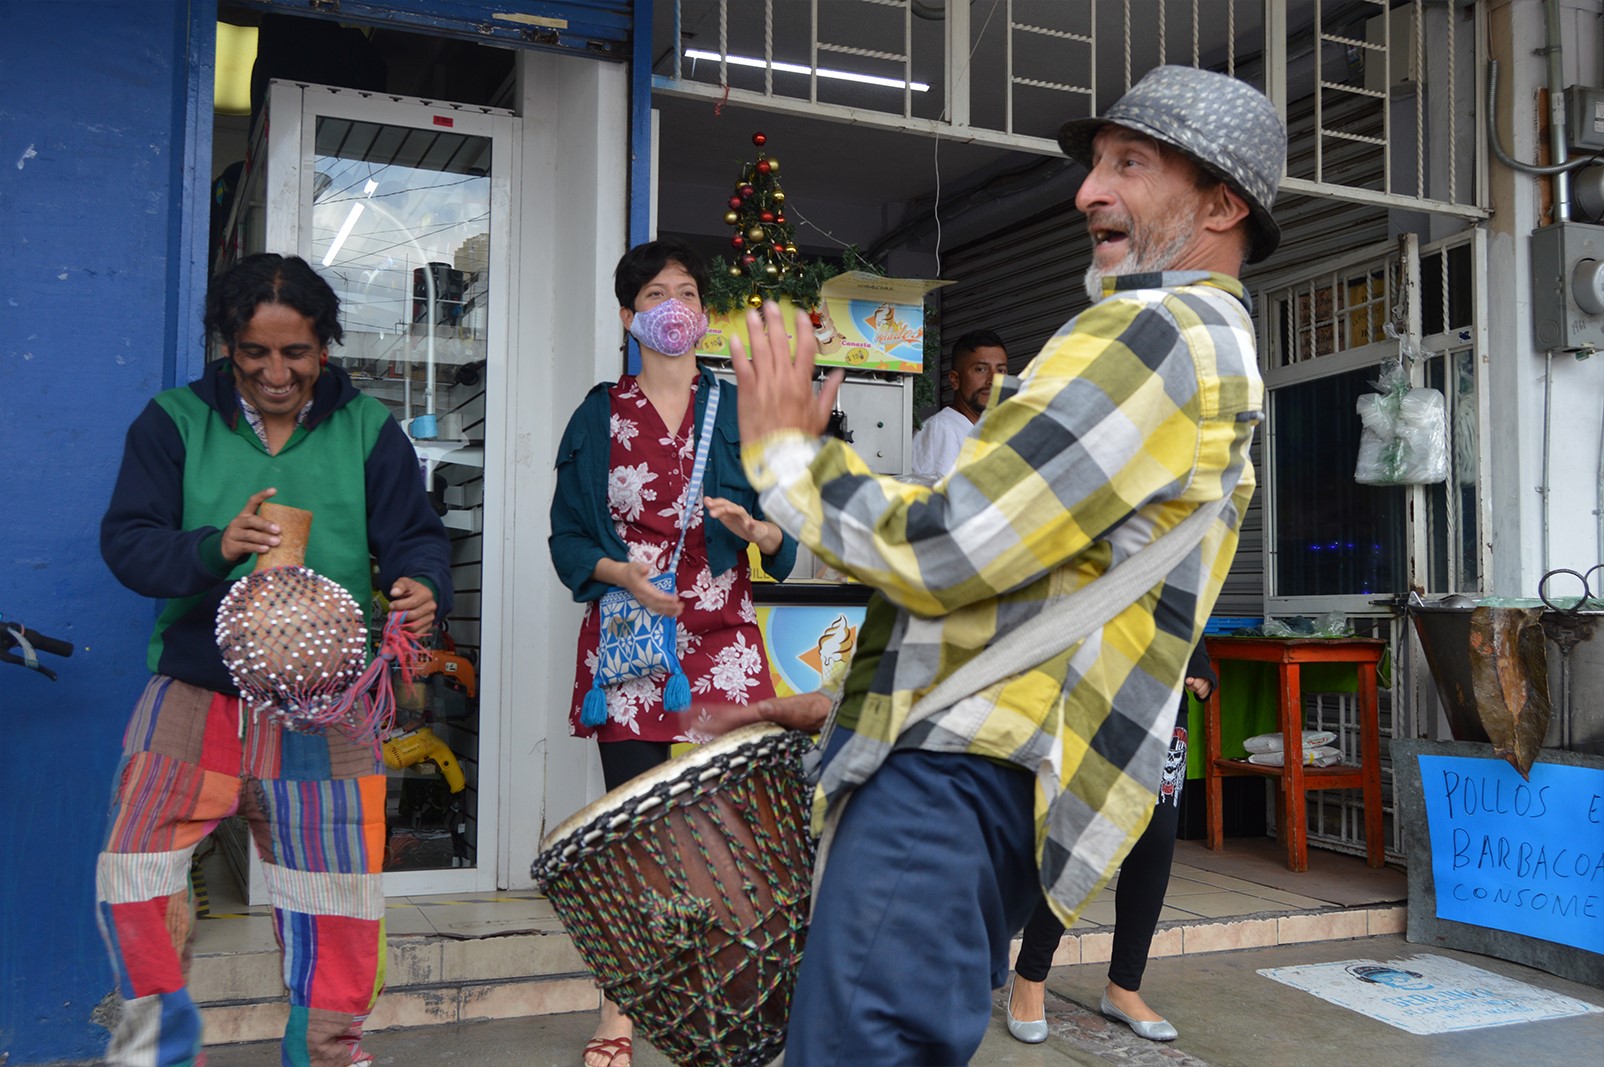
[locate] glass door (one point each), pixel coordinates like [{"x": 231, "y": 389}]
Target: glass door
[{"x": 405, "y": 207}]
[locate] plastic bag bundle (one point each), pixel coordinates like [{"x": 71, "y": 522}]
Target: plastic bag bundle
[
  {"x": 1324, "y": 756},
  {"x": 1331, "y": 624},
  {"x": 1312, "y": 739},
  {"x": 1404, "y": 439}
]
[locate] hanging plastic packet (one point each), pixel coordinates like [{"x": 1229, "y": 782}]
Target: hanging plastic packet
[{"x": 1404, "y": 439}]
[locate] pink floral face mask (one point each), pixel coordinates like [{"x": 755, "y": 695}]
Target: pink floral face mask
[{"x": 672, "y": 327}]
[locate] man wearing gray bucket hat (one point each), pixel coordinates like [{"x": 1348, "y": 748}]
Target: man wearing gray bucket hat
[
  {"x": 1225, "y": 127},
  {"x": 984, "y": 749},
  {"x": 1230, "y": 134}
]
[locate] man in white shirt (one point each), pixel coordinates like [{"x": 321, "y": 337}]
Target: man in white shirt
[{"x": 977, "y": 357}]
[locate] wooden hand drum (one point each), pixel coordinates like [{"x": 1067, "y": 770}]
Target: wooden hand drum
[{"x": 686, "y": 891}]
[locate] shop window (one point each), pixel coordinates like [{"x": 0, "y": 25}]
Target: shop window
[
  {"x": 1333, "y": 536},
  {"x": 1332, "y": 315},
  {"x": 1452, "y": 511}
]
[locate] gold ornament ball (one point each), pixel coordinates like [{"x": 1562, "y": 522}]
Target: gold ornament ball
[
  {"x": 731, "y": 218},
  {"x": 779, "y": 197},
  {"x": 772, "y": 271},
  {"x": 774, "y": 165},
  {"x": 754, "y": 300},
  {"x": 790, "y": 250},
  {"x": 755, "y": 233},
  {"x": 736, "y": 272}
]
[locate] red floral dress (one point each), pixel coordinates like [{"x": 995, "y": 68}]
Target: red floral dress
[{"x": 719, "y": 644}]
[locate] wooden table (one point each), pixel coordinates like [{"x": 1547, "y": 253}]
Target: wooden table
[{"x": 1294, "y": 779}]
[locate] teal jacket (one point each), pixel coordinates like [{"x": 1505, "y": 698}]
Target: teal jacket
[{"x": 581, "y": 532}]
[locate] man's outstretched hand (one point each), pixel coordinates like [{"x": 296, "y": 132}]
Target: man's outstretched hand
[
  {"x": 801, "y": 711},
  {"x": 775, "y": 391}
]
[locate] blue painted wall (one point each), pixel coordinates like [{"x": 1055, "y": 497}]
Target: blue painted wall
[
  {"x": 104, "y": 127},
  {"x": 93, "y": 227}
]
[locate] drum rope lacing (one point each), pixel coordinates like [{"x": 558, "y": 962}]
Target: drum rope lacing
[{"x": 666, "y": 968}]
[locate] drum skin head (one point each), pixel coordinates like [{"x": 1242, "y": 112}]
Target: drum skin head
[{"x": 639, "y": 786}]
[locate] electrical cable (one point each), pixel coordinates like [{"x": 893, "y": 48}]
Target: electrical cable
[{"x": 1496, "y": 143}]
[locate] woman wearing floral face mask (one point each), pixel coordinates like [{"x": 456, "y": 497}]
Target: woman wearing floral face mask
[{"x": 623, "y": 468}]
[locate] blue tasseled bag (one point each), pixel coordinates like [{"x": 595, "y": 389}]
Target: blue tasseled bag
[{"x": 634, "y": 640}]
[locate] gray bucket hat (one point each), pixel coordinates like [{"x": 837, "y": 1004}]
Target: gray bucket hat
[{"x": 1227, "y": 126}]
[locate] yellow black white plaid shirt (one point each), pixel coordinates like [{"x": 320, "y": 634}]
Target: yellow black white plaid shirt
[{"x": 1140, "y": 409}]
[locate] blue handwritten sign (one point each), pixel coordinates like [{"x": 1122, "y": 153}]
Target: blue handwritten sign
[{"x": 1521, "y": 856}]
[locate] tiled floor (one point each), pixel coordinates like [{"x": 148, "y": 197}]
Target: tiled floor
[{"x": 1195, "y": 893}]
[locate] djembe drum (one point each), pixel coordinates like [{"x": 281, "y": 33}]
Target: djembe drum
[
  {"x": 295, "y": 642},
  {"x": 686, "y": 891}
]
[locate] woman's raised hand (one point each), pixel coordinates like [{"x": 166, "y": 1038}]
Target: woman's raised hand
[{"x": 739, "y": 521}]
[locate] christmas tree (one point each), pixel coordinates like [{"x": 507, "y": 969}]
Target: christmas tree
[
  {"x": 764, "y": 263},
  {"x": 765, "y": 255}
]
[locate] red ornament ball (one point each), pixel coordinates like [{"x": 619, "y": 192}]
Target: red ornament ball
[
  {"x": 779, "y": 247},
  {"x": 735, "y": 203},
  {"x": 780, "y": 219},
  {"x": 759, "y": 139},
  {"x": 748, "y": 260},
  {"x": 766, "y": 216},
  {"x": 746, "y": 192},
  {"x": 762, "y": 166},
  {"x": 738, "y": 241}
]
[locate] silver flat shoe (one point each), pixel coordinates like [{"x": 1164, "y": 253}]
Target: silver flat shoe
[
  {"x": 1031, "y": 1033},
  {"x": 1162, "y": 1030}
]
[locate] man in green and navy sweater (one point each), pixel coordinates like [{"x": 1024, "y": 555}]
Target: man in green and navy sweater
[{"x": 272, "y": 420}]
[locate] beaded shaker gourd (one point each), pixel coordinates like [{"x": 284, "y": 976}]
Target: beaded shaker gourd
[{"x": 294, "y": 641}]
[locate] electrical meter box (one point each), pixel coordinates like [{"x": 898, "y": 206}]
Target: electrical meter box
[
  {"x": 1584, "y": 115},
  {"x": 1568, "y": 286}
]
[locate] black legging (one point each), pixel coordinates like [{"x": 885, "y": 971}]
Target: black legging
[
  {"x": 623, "y": 760},
  {"x": 1138, "y": 899},
  {"x": 1143, "y": 878}
]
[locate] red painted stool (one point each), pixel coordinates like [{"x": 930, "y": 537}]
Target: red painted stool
[{"x": 1293, "y": 779}]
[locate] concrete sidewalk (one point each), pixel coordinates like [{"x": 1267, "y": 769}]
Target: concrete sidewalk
[{"x": 1228, "y": 1016}]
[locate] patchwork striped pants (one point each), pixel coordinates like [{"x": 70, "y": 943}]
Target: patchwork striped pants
[{"x": 315, "y": 807}]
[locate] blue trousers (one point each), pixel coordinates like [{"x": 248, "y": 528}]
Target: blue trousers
[{"x": 932, "y": 869}]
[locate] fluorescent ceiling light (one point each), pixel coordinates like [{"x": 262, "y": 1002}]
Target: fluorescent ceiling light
[{"x": 797, "y": 68}]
